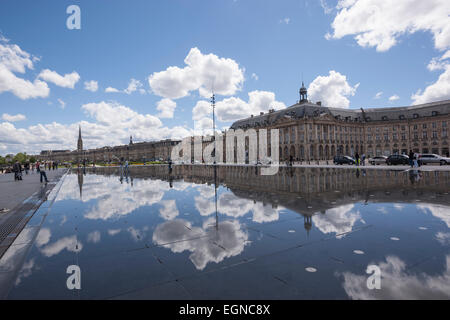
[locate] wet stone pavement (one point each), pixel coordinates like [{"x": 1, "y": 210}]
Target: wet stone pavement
[{"x": 199, "y": 232}]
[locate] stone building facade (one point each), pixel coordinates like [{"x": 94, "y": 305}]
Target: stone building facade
[
  {"x": 142, "y": 151},
  {"x": 314, "y": 132}
]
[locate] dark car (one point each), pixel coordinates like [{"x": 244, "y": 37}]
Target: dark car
[
  {"x": 343, "y": 160},
  {"x": 397, "y": 159}
]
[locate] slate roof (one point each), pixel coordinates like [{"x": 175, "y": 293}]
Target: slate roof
[{"x": 299, "y": 111}]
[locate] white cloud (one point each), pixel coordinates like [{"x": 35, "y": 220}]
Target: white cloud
[
  {"x": 94, "y": 237},
  {"x": 231, "y": 109},
  {"x": 440, "y": 90},
  {"x": 285, "y": 20},
  {"x": 111, "y": 89},
  {"x": 91, "y": 85},
  {"x": 399, "y": 282},
  {"x": 166, "y": 107},
  {"x": 394, "y": 98},
  {"x": 255, "y": 76},
  {"x": 204, "y": 73},
  {"x": 378, "y": 95},
  {"x": 112, "y": 125},
  {"x": 67, "y": 81},
  {"x": 326, "y": 8},
  {"x": 379, "y": 23},
  {"x": 332, "y": 90},
  {"x": 133, "y": 85},
  {"x": 15, "y": 60},
  {"x": 62, "y": 104},
  {"x": 13, "y": 118},
  {"x": 169, "y": 210}
]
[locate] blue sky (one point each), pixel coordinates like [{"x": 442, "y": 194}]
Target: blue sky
[{"x": 262, "y": 47}]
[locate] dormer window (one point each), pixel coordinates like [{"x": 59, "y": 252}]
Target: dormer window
[
  {"x": 415, "y": 115},
  {"x": 434, "y": 113},
  {"x": 384, "y": 118},
  {"x": 401, "y": 117}
]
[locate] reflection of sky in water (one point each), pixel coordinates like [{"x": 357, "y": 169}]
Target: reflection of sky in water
[{"x": 146, "y": 230}]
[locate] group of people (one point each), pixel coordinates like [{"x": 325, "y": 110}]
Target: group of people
[
  {"x": 40, "y": 168},
  {"x": 413, "y": 159},
  {"x": 360, "y": 160}
]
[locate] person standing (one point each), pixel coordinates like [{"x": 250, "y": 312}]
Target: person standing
[
  {"x": 411, "y": 158},
  {"x": 42, "y": 172},
  {"x": 17, "y": 168},
  {"x": 357, "y": 158}
]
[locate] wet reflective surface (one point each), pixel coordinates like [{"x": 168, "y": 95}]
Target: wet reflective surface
[{"x": 198, "y": 233}]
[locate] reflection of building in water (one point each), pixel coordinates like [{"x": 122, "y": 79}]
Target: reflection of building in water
[
  {"x": 308, "y": 190},
  {"x": 80, "y": 182}
]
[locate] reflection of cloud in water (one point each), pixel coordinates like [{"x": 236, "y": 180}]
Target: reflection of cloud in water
[
  {"x": 137, "y": 234},
  {"x": 226, "y": 241},
  {"x": 397, "y": 283},
  {"x": 439, "y": 211},
  {"x": 25, "y": 271},
  {"x": 233, "y": 206},
  {"x": 113, "y": 232},
  {"x": 169, "y": 210},
  {"x": 443, "y": 238},
  {"x": 68, "y": 243},
  {"x": 337, "y": 220},
  {"x": 94, "y": 237},
  {"x": 113, "y": 198}
]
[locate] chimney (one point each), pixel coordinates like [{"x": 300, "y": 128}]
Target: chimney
[{"x": 319, "y": 103}]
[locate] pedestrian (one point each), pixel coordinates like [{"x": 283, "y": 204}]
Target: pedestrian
[
  {"x": 357, "y": 159},
  {"x": 37, "y": 166},
  {"x": 42, "y": 172},
  {"x": 17, "y": 169},
  {"x": 27, "y": 167},
  {"x": 363, "y": 158},
  {"x": 411, "y": 158}
]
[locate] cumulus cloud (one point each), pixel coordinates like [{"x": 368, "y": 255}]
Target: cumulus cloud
[
  {"x": 133, "y": 86},
  {"x": 67, "y": 81},
  {"x": 216, "y": 244},
  {"x": 231, "y": 109},
  {"x": 440, "y": 90},
  {"x": 111, "y": 89},
  {"x": 113, "y": 124},
  {"x": 13, "y": 118},
  {"x": 91, "y": 85},
  {"x": 399, "y": 283},
  {"x": 166, "y": 107},
  {"x": 337, "y": 220},
  {"x": 333, "y": 90},
  {"x": 94, "y": 237},
  {"x": 379, "y": 23},
  {"x": 203, "y": 72},
  {"x": 169, "y": 210},
  {"x": 394, "y": 98},
  {"x": 14, "y": 60}
]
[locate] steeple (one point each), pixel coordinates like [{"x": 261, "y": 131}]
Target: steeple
[
  {"x": 131, "y": 140},
  {"x": 80, "y": 140},
  {"x": 303, "y": 94}
]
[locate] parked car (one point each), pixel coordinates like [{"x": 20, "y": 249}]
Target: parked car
[
  {"x": 343, "y": 160},
  {"x": 395, "y": 159},
  {"x": 378, "y": 160},
  {"x": 433, "y": 159}
]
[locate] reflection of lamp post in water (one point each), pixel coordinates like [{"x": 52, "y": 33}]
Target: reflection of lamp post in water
[{"x": 213, "y": 103}]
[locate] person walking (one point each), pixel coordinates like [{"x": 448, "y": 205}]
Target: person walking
[
  {"x": 363, "y": 159},
  {"x": 357, "y": 159},
  {"x": 42, "y": 172},
  {"x": 27, "y": 167},
  {"x": 17, "y": 169}
]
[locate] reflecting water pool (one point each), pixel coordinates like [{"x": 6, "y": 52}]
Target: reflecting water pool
[{"x": 196, "y": 232}]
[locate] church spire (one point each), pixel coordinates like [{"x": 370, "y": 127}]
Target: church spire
[
  {"x": 303, "y": 93},
  {"x": 80, "y": 140}
]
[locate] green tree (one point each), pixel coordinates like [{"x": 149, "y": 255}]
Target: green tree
[
  {"x": 2, "y": 160},
  {"x": 21, "y": 157}
]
